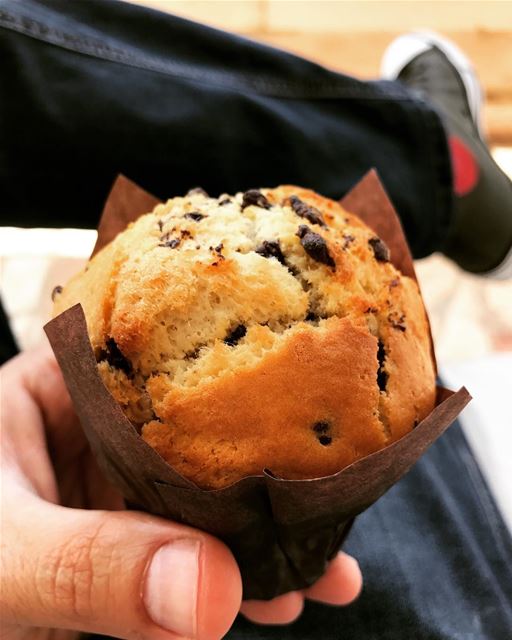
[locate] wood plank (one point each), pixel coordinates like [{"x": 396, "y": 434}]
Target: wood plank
[{"x": 338, "y": 16}]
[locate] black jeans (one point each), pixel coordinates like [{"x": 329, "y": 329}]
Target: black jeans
[{"x": 93, "y": 88}]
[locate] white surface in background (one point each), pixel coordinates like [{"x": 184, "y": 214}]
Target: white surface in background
[
  {"x": 470, "y": 316},
  {"x": 32, "y": 263},
  {"x": 50, "y": 243},
  {"x": 487, "y": 420},
  {"x": 503, "y": 156}
]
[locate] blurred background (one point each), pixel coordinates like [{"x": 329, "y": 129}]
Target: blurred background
[{"x": 471, "y": 317}]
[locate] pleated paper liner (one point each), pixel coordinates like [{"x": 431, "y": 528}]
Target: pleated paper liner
[{"x": 282, "y": 532}]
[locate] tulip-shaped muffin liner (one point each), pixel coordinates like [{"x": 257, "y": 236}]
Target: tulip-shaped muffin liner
[{"x": 282, "y": 532}]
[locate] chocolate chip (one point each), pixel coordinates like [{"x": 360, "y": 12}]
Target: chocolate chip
[
  {"x": 382, "y": 376},
  {"x": 321, "y": 427},
  {"x": 347, "y": 240},
  {"x": 371, "y": 310},
  {"x": 271, "y": 249},
  {"x": 311, "y": 317},
  {"x": 234, "y": 336},
  {"x": 218, "y": 252},
  {"x": 173, "y": 243},
  {"x": 315, "y": 246},
  {"x": 256, "y": 198},
  {"x": 225, "y": 201},
  {"x": 115, "y": 357},
  {"x": 302, "y": 230},
  {"x": 304, "y": 210},
  {"x": 380, "y": 249},
  {"x": 193, "y": 355},
  {"x": 195, "y": 215},
  {"x": 197, "y": 191},
  {"x": 56, "y": 291},
  {"x": 397, "y": 322}
]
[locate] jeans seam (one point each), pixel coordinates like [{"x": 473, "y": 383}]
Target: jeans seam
[{"x": 87, "y": 46}]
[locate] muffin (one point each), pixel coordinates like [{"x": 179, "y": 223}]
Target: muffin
[{"x": 266, "y": 330}]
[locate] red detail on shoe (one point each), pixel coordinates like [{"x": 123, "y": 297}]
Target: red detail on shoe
[{"x": 464, "y": 167}]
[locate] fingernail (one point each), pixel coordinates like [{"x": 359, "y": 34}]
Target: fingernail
[{"x": 171, "y": 588}]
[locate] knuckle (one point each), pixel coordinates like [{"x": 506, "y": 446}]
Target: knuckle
[{"x": 74, "y": 577}]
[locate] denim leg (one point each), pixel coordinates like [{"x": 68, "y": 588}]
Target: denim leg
[{"x": 91, "y": 89}]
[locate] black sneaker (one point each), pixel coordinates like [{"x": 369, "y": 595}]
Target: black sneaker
[{"x": 480, "y": 237}]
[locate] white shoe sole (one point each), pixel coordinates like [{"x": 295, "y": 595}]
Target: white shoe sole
[{"x": 407, "y": 47}]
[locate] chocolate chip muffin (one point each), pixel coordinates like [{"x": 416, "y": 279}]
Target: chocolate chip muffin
[{"x": 266, "y": 330}]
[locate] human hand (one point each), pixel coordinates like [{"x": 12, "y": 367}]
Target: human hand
[{"x": 73, "y": 559}]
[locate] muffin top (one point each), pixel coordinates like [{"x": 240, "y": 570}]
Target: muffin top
[{"x": 265, "y": 330}]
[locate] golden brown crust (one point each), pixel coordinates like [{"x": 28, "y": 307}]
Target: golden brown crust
[
  {"x": 266, "y": 416},
  {"x": 240, "y": 337}
]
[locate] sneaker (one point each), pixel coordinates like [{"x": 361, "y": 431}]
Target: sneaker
[{"x": 435, "y": 69}]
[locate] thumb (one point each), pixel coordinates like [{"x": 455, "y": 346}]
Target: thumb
[{"x": 128, "y": 575}]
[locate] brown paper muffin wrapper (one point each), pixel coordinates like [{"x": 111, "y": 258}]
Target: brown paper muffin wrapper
[{"x": 282, "y": 532}]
